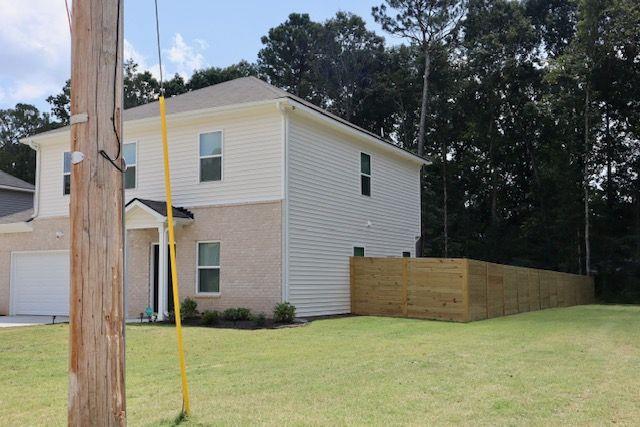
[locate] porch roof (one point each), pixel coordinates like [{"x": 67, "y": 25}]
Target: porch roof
[{"x": 161, "y": 208}]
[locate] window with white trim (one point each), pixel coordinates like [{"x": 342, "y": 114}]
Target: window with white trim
[
  {"x": 208, "y": 268},
  {"x": 210, "y": 156},
  {"x": 358, "y": 251},
  {"x": 66, "y": 173},
  {"x": 365, "y": 174},
  {"x": 130, "y": 154}
]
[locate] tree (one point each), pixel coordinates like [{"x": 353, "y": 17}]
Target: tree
[
  {"x": 16, "y": 123},
  {"x": 214, "y": 75},
  {"x": 426, "y": 23},
  {"x": 139, "y": 87},
  {"x": 288, "y": 58},
  {"x": 350, "y": 60},
  {"x": 60, "y": 104},
  {"x": 175, "y": 86}
]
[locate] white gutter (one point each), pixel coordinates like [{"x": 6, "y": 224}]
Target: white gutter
[
  {"x": 9, "y": 187},
  {"x": 36, "y": 197},
  {"x": 285, "y": 108}
]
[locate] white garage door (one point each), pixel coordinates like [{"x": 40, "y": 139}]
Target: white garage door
[{"x": 40, "y": 283}]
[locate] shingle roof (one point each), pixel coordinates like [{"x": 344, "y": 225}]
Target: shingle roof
[
  {"x": 11, "y": 181},
  {"x": 243, "y": 90},
  {"x": 238, "y": 91},
  {"x": 161, "y": 208}
]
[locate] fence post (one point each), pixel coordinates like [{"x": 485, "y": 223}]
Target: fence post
[
  {"x": 405, "y": 285},
  {"x": 465, "y": 290},
  {"x": 486, "y": 288}
]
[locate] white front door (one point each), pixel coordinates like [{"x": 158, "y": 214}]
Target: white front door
[{"x": 40, "y": 283}]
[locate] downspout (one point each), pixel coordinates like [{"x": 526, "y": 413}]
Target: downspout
[
  {"x": 284, "y": 107},
  {"x": 36, "y": 199}
]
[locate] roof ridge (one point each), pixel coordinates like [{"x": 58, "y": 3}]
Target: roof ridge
[{"x": 274, "y": 89}]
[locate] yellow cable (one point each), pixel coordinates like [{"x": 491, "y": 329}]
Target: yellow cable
[{"x": 172, "y": 253}]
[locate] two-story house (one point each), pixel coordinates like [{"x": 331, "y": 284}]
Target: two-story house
[{"x": 272, "y": 195}]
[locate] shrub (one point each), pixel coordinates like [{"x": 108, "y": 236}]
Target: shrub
[
  {"x": 260, "y": 319},
  {"x": 230, "y": 314},
  {"x": 188, "y": 309},
  {"x": 210, "y": 318},
  {"x": 235, "y": 314},
  {"x": 284, "y": 313},
  {"x": 243, "y": 313}
]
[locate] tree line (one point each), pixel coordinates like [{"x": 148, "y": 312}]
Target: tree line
[{"x": 528, "y": 110}]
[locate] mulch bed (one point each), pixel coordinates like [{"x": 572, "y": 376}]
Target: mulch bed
[{"x": 227, "y": 324}]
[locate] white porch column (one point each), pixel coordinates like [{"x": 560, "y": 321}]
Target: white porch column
[{"x": 162, "y": 271}]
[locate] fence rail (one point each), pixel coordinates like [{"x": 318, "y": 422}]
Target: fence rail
[{"x": 460, "y": 290}]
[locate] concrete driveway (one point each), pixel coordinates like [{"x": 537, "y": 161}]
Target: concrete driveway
[{"x": 15, "y": 321}]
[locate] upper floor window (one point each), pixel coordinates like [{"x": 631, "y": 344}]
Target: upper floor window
[
  {"x": 210, "y": 156},
  {"x": 365, "y": 174},
  {"x": 66, "y": 173},
  {"x": 208, "y": 268},
  {"x": 130, "y": 154}
]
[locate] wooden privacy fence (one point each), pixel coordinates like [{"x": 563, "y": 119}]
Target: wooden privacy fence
[{"x": 460, "y": 290}]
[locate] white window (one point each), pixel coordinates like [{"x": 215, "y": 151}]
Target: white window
[
  {"x": 210, "y": 156},
  {"x": 365, "y": 174},
  {"x": 66, "y": 173},
  {"x": 130, "y": 154},
  {"x": 208, "y": 280}
]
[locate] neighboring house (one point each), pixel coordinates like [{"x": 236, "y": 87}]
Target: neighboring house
[
  {"x": 272, "y": 196},
  {"x": 16, "y": 196}
]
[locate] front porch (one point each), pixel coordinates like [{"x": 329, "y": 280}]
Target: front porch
[{"x": 151, "y": 216}]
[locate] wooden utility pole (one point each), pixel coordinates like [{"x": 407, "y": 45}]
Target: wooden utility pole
[{"x": 96, "y": 355}]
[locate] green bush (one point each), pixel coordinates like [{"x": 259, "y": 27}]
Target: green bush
[
  {"x": 236, "y": 314},
  {"x": 284, "y": 313},
  {"x": 188, "y": 309},
  {"x": 243, "y": 313},
  {"x": 210, "y": 318},
  {"x": 230, "y": 314},
  {"x": 260, "y": 319}
]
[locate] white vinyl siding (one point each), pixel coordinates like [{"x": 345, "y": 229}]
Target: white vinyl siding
[
  {"x": 328, "y": 216},
  {"x": 252, "y": 161}
]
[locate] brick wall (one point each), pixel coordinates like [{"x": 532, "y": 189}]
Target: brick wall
[
  {"x": 250, "y": 238},
  {"x": 43, "y": 237}
]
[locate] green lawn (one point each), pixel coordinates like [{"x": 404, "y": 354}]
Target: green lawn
[{"x": 578, "y": 365}]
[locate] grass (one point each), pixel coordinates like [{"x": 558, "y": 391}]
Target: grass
[{"x": 578, "y": 365}]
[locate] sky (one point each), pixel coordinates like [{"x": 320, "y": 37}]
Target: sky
[{"x": 35, "y": 40}]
